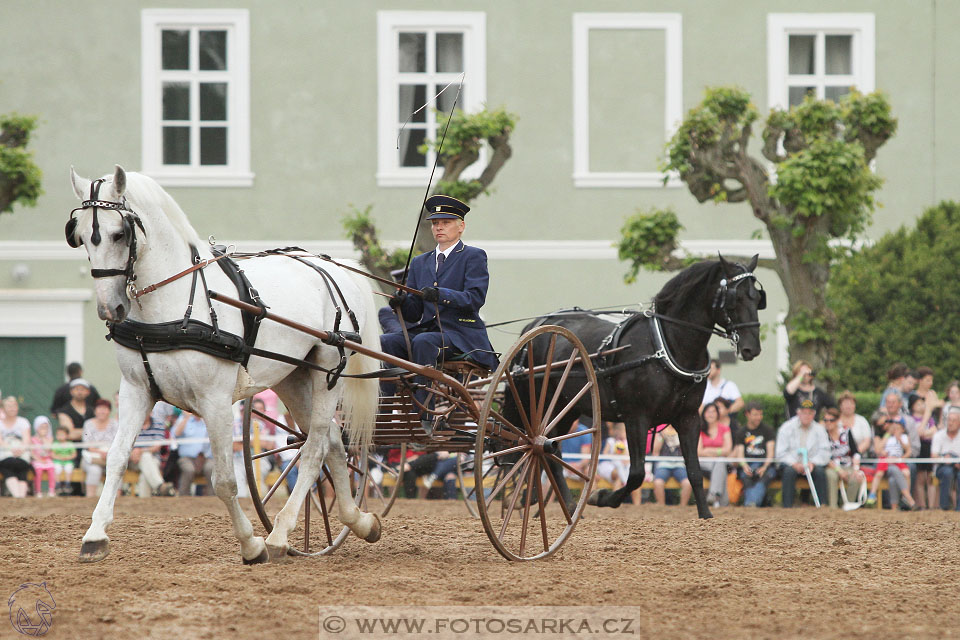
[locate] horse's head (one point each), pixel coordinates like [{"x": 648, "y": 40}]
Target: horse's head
[
  {"x": 107, "y": 229},
  {"x": 738, "y": 299}
]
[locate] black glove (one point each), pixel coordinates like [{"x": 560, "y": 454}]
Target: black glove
[
  {"x": 430, "y": 294},
  {"x": 397, "y": 299}
]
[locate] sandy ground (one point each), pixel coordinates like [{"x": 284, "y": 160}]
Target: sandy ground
[{"x": 174, "y": 571}]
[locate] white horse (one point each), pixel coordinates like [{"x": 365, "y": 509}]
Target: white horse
[{"x": 207, "y": 385}]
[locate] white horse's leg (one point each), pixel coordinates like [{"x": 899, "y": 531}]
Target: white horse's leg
[
  {"x": 136, "y": 404},
  {"x": 219, "y": 421},
  {"x": 366, "y": 526}
]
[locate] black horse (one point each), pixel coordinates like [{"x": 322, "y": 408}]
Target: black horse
[{"x": 661, "y": 374}]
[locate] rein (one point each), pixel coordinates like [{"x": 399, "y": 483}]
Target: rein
[{"x": 153, "y": 287}]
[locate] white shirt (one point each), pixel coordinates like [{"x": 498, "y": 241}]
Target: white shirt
[
  {"x": 725, "y": 389},
  {"x": 446, "y": 254},
  {"x": 942, "y": 444}
]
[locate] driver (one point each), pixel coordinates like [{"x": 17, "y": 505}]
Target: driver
[{"x": 453, "y": 282}]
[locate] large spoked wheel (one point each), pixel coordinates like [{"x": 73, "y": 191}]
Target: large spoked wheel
[
  {"x": 384, "y": 484},
  {"x": 518, "y": 435},
  {"x": 313, "y": 535}
]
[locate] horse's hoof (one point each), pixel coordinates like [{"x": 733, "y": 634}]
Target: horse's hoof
[
  {"x": 375, "y": 530},
  {"x": 706, "y": 516},
  {"x": 275, "y": 554},
  {"x": 260, "y": 559},
  {"x": 94, "y": 550},
  {"x": 594, "y": 498}
]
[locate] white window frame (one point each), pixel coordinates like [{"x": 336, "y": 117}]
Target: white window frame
[
  {"x": 236, "y": 173},
  {"x": 780, "y": 26},
  {"x": 45, "y": 313},
  {"x": 473, "y": 24},
  {"x": 583, "y": 23}
]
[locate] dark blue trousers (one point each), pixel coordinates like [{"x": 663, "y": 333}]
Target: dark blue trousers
[{"x": 426, "y": 351}]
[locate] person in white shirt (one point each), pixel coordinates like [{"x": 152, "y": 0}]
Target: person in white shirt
[
  {"x": 718, "y": 387},
  {"x": 946, "y": 444},
  {"x": 800, "y": 433}
]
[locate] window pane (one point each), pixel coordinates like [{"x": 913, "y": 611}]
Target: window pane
[
  {"x": 176, "y": 100},
  {"x": 445, "y": 101},
  {"x": 213, "y": 145},
  {"x": 175, "y": 47},
  {"x": 413, "y": 52},
  {"x": 450, "y": 52},
  {"x": 410, "y": 139},
  {"x": 412, "y": 96},
  {"x": 213, "y": 50},
  {"x": 835, "y": 93},
  {"x": 176, "y": 145},
  {"x": 213, "y": 100},
  {"x": 801, "y": 55},
  {"x": 797, "y": 94},
  {"x": 838, "y": 50}
]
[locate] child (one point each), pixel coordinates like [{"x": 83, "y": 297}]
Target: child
[
  {"x": 41, "y": 459},
  {"x": 894, "y": 446},
  {"x": 63, "y": 453}
]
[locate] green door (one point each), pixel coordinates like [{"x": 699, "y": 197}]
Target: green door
[{"x": 31, "y": 369}]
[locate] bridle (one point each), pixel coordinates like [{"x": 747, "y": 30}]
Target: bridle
[
  {"x": 129, "y": 218},
  {"x": 725, "y": 300}
]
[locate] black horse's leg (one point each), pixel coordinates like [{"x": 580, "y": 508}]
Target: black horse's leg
[
  {"x": 688, "y": 428},
  {"x": 637, "y": 444}
]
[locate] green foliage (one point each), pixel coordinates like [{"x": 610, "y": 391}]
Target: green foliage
[
  {"x": 20, "y": 177},
  {"x": 807, "y": 327},
  {"x": 648, "y": 238},
  {"x": 363, "y": 233},
  {"x": 462, "y": 190},
  {"x": 468, "y": 131},
  {"x": 897, "y": 301}
]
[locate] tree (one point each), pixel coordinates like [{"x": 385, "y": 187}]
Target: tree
[
  {"x": 822, "y": 195},
  {"x": 19, "y": 176},
  {"x": 461, "y": 148},
  {"x": 896, "y": 301}
]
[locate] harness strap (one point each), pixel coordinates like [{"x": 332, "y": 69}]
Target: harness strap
[
  {"x": 154, "y": 387},
  {"x": 196, "y": 266}
]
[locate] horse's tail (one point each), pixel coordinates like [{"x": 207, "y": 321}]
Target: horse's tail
[{"x": 361, "y": 395}]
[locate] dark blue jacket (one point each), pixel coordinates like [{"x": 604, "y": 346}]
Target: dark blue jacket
[{"x": 462, "y": 286}]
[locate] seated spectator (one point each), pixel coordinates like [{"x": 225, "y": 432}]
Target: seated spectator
[
  {"x": 42, "y": 458},
  {"x": 893, "y": 446},
  {"x": 263, "y": 437},
  {"x": 755, "y": 442},
  {"x": 723, "y": 408},
  {"x": 718, "y": 387},
  {"x": 64, "y": 453},
  {"x": 99, "y": 431},
  {"x": 667, "y": 443},
  {"x": 856, "y": 424},
  {"x": 898, "y": 477},
  {"x": 844, "y": 465},
  {"x": 921, "y": 412},
  {"x": 951, "y": 401},
  {"x": 413, "y": 468},
  {"x": 798, "y": 434},
  {"x": 615, "y": 471},
  {"x": 145, "y": 457},
  {"x": 801, "y": 387},
  {"x": 194, "y": 458},
  {"x": 446, "y": 472},
  {"x": 896, "y": 376},
  {"x": 14, "y": 448},
  {"x": 946, "y": 444},
  {"x": 715, "y": 442},
  {"x": 572, "y": 448}
]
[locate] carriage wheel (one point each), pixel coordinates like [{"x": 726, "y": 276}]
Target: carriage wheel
[
  {"x": 515, "y": 514},
  {"x": 312, "y": 536},
  {"x": 465, "y": 470},
  {"x": 385, "y": 483}
]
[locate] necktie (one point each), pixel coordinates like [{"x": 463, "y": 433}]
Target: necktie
[{"x": 440, "y": 258}]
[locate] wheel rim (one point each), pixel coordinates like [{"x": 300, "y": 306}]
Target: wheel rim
[{"x": 523, "y": 526}]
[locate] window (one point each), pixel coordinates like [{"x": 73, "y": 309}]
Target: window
[
  {"x": 419, "y": 53},
  {"x": 820, "y": 54},
  {"x": 196, "y": 97},
  {"x": 621, "y": 148}
]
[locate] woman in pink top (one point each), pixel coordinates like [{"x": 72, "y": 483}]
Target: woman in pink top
[
  {"x": 715, "y": 442},
  {"x": 42, "y": 458}
]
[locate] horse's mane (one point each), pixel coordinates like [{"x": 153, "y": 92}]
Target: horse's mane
[
  {"x": 684, "y": 286},
  {"x": 145, "y": 195}
]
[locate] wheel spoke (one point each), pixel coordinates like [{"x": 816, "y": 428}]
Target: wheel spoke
[
  {"x": 283, "y": 475},
  {"x": 534, "y": 467},
  {"x": 567, "y": 408},
  {"x": 543, "y": 513},
  {"x": 325, "y": 512},
  {"x": 573, "y": 434},
  {"x": 555, "y": 486},
  {"x": 299, "y": 434},
  {"x": 546, "y": 379},
  {"x": 263, "y": 454},
  {"x": 518, "y": 486},
  {"x": 491, "y": 456},
  {"x": 516, "y": 399},
  {"x": 499, "y": 418},
  {"x": 326, "y": 472},
  {"x": 559, "y": 389},
  {"x": 306, "y": 524},
  {"x": 506, "y": 478},
  {"x": 533, "y": 385},
  {"x": 566, "y": 466}
]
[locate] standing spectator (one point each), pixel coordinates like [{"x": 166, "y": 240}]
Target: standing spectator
[
  {"x": 920, "y": 411},
  {"x": 715, "y": 442},
  {"x": 951, "y": 401},
  {"x": 72, "y": 415},
  {"x": 99, "y": 431},
  {"x": 898, "y": 475},
  {"x": 924, "y": 378},
  {"x": 64, "y": 454},
  {"x": 755, "y": 442},
  {"x": 893, "y": 447},
  {"x": 896, "y": 375},
  {"x": 727, "y": 418},
  {"x": 145, "y": 458},
  {"x": 801, "y": 387},
  {"x": 718, "y": 387},
  {"x": 667, "y": 443},
  {"x": 797, "y": 433},
  {"x": 844, "y": 462},
  {"x": 194, "y": 457},
  {"x": 946, "y": 444},
  {"x": 14, "y": 448},
  {"x": 62, "y": 395},
  {"x": 42, "y": 458}
]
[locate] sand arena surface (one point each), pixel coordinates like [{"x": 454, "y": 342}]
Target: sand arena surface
[{"x": 174, "y": 571}]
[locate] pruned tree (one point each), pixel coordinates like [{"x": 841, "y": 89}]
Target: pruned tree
[
  {"x": 819, "y": 203},
  {"x": 466, "y": 136},
  {"x": 19, "y": 175}
]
